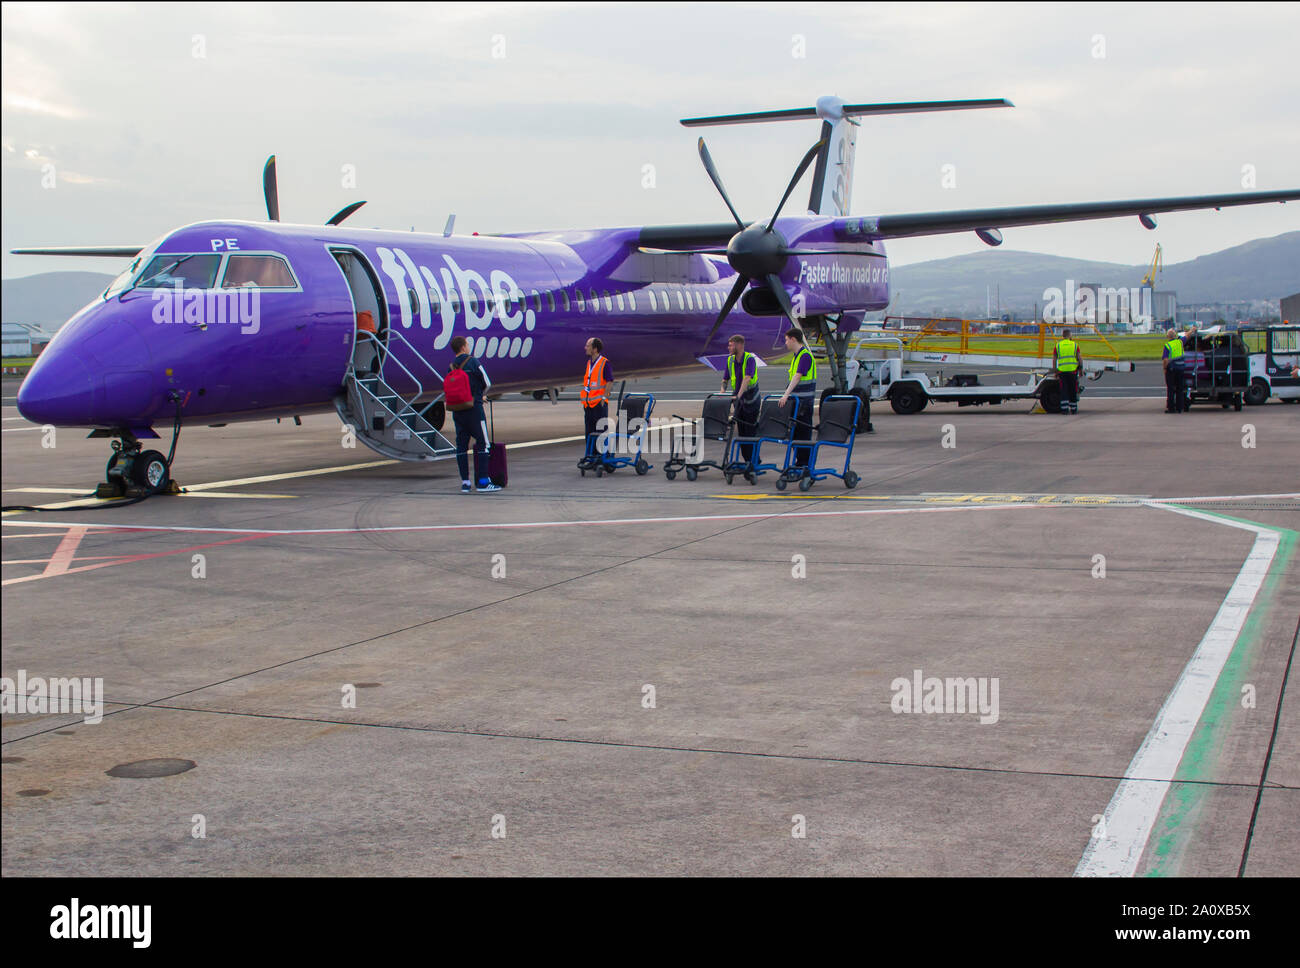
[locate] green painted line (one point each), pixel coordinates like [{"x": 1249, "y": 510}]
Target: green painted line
[{"x": 1183, "y": 805}]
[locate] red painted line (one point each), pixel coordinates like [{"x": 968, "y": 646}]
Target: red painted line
[
  {"x": 63, "y": 554},
  {"x": 124, "y": 560}
]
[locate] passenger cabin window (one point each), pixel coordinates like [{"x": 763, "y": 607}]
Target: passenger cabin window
[
  {"x": 564, "y": 294},
  {"x": 681, "y": 303},
  {"x": 582, "y": 304},
  {"x": 631, "y": 302},
  {"x": 593, "y": 299},
  {"x": 654, "y": 306},
  {"x": 619, "y": 298},
  {"x": 453, "y": 297},
  {"x": 537, "y": 301},
  {"x": 261, "y": 271},
  {"x": 197, "y": 271},
  {"x": 550, "y": 302}
]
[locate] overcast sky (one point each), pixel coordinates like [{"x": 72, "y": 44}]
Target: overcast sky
[{"x": 522, "y": 116}]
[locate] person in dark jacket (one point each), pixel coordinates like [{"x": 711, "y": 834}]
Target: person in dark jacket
[{"x": 472, "y": 423}]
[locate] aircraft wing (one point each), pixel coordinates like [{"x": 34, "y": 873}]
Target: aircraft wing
[
  {"x": 102, "y": 251},
  {"x": 939, "y": 223}
]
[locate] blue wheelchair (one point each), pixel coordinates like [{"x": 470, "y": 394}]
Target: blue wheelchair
[{"x": 837, "y": 428}]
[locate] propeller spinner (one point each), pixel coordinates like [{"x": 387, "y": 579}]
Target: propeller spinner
[{"x": 757, "y": 251}]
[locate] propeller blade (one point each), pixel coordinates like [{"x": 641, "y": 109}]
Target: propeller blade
[
  {"x": 798, "y": 173},
  {"x": 270, "y": 191},
  {"x": 732, "y": 297},
  {"x": 862, "y": 251},
  {"x": 717, "y": 181},
  {"x": 783, "y": 297},
  {"x": 343, "y": 213},
  {"x": 650, "y": 251}
]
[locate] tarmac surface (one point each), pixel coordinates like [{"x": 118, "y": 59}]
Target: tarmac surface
[{"x": 372, "y": 673}]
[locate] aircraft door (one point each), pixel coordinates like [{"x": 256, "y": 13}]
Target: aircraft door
[{"x": 369, "y": 310}]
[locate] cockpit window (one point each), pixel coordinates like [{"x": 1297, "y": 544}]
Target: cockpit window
[
  {"x": 123, "y": 280},
  {"x": 196, "y": 271},
  {"x": 262, "y": 271}
]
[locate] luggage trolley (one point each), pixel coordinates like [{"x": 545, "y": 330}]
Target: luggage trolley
[
  {"x": 838, "y": 428},
  {"x": 775, "y": 425},
  {"x": 635, "y": 406},
  {"x": 716, "y": 425},
  {"x": 1217, "y": 370}
]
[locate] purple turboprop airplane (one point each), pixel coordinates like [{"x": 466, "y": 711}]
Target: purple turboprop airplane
[{"x": 229, "y": 320}]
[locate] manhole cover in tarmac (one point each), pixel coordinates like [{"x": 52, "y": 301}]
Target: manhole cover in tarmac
[{"x": 148, "y": 769}]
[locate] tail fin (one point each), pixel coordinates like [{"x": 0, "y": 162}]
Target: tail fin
[{"x": 833, "y": 176}]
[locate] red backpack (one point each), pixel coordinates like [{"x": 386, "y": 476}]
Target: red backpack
[{"x": 456, "y": 390}]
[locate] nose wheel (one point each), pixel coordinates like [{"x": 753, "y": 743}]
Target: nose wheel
[{"x": 134, "y": 472}]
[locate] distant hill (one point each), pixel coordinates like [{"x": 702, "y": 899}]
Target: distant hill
[
  {"x": 50, "y": 298},
  {"x": 1262, "y": 269}
]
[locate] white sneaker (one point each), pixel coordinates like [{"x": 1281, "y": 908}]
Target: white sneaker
[{"x": 488, "y": 487}]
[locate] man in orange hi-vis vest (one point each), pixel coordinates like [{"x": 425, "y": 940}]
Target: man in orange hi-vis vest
[{"x": 595, "y": 397}]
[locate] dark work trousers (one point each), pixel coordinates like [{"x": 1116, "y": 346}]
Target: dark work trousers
[
  {"x": 591, "y": 417},
  {"x": 1069, "y": 380},
  {"x": 471, "y": 423},
  {"x": 802, "y": 427},
  {"x": 747, "y": 422},
  {"x": 1175, "y": 394}
]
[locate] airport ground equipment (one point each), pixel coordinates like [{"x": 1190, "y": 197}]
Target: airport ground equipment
[
  {"x": 1274, "y": 354},
  {"x": 882, "y": 373},
  {"x": 716, "y": 423},
  {"x": 1216, "y": 369},
  {"x": 775, "y": 425},
  {"x": 837, "y": 427},
  {"x": 626, "y": 433}
]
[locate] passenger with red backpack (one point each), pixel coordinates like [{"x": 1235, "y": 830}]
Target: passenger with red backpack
[{"x": 463, "y": 390}]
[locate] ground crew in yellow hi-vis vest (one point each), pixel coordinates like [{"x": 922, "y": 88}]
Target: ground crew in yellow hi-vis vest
[
  {"x": 740, "y": 379},
  {"x": 803, "y": 387},
  {"x": 1068, "y": 361}
]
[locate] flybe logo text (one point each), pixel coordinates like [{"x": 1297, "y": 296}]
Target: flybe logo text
[{"x": 498, "y": 296}]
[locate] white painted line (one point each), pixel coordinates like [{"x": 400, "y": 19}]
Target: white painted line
[
  {"x": 495, "y": 526},
  {"x": 1225, "y": 497},
  {"x": 14, "y": 430},
  {"x": 1133, "y": 809}
]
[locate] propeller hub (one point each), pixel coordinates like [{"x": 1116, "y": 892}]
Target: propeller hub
[{"x": 757, "y": 252}]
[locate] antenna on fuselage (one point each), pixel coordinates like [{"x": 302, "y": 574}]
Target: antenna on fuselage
[{"x": 446, "y": 229}]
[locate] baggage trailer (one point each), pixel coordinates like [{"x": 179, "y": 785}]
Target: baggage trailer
[
  {"x": 1217, "y": 369},
  {"x": 887, "y": 378}
]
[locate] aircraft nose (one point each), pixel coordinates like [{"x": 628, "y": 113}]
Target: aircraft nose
[{"x": 59, "y": 389}]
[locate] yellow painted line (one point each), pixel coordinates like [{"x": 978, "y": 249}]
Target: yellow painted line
[
  {"x": 46, "y": 490},
  {"x": 82, "y": 491},
  {"x": 809, "y": 496},
  {"x": 267, "y": 497},
  {"x": 213, "y": 485}
]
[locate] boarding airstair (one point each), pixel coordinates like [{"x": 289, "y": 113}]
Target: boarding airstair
[{"x": 406, "y": 424}]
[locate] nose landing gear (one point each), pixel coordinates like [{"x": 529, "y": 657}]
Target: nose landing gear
[{"x": 134, "y": 472}]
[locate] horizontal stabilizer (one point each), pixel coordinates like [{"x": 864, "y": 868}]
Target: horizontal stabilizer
[
  {"x": 100, "y": 251},
  {"x": 849, "y": 111}
]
